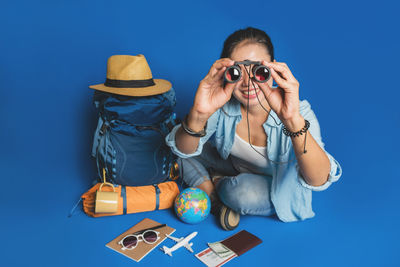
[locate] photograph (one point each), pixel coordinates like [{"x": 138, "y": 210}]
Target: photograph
[{"x": 200, "y": 133}]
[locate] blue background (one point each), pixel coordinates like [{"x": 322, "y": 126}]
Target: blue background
[{"x": 344, "y": 54}]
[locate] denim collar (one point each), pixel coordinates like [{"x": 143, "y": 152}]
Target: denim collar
[{"x": 232, "y": 108}]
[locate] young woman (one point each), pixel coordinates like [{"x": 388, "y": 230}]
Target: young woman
[{"x": 254, "y": 146}]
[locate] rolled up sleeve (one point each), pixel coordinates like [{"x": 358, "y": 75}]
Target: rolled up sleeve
[
  {"x": 211, "y": 127},
  {"x": 336, "y": 169},
  {"x": 334, "y": 175}
]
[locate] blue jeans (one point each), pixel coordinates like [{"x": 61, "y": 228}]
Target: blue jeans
[{"x": 245, "y": 193}]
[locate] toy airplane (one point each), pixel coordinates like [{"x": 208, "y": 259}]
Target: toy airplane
[{"x": 181, "y": 242}]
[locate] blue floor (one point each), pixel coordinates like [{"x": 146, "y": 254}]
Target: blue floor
[
  {"x": 345, "y": 55},
  {"x": 353, "y": 226}
]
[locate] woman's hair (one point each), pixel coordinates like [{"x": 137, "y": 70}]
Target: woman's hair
[{"x": 251, "y": 35}]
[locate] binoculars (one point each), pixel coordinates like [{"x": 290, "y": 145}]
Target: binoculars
[{"x": 260, "y": 72}]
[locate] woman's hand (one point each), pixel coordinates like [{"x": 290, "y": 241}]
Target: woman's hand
[
  {"x": 284, "y": 100},
  {"x": 211, "y": 93},
  {"x": 210, "y": 96}
]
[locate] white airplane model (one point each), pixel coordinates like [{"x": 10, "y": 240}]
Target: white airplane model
[{"x": 181, "y": 242}]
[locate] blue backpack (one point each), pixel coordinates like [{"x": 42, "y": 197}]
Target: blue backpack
[{"x": 129, "y": 141}]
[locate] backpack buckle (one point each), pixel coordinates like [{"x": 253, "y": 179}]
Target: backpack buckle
[
  {"x": 103, "y": 128},
  {"x": 174, "y": 171}
]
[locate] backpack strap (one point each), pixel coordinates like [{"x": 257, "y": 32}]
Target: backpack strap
[
  {"x": 104, "y": 136},
  {"x": 104, "y": 127},
  {"x": 158, "y": 191},
  {"x": 73, "y": 209},
  {"x": 123, "y": 194}
]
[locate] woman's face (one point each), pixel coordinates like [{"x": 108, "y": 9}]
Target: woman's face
[{"x": 243, "y": 92}]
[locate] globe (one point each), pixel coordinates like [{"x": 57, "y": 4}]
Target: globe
[{"x": 192, "y": 205}]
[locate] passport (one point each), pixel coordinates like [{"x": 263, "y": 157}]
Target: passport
[{"x": 241, "y": 242}]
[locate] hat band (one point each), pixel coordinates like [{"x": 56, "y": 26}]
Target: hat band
[{"x": 129, "y": 83}]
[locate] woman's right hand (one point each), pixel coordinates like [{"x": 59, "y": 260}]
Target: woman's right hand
[
  {"x": 210, "y": 96},
  {"x": 211, "y": 93}
]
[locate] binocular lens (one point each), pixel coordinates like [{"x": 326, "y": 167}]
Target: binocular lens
[
  {"x": 233, "y": 74},
  {"x": 261, "y": 74}
]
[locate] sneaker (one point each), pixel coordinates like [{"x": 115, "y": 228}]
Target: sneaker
[
  {"x": 215, "y": 176},
  {"x": 216, "y": 204},
  {"x": 228, "y": 218}
]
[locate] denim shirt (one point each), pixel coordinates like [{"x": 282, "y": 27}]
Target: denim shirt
[{"x": 290, "y": 194}]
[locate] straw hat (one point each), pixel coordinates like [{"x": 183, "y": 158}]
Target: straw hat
[{"x": 131, "y": 76}]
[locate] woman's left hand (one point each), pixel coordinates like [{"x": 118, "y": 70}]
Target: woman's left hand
[{"x": 284, "y": 99}]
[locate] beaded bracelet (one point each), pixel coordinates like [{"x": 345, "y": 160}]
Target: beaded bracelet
[
  {"x": 296, "y": 134},
  {"x": 190, "y": 131}
]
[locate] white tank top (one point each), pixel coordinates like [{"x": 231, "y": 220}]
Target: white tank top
[{"x": 245, "y": 159}]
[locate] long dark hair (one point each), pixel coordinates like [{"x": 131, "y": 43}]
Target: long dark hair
[{"x": 252, "y": 35}]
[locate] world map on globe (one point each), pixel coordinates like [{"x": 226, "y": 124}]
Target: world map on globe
[{"x": 192, "y": 205}]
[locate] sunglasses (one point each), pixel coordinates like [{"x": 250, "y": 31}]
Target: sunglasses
[{"x": 149, "y": 236}]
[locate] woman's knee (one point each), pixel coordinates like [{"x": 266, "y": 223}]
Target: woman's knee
[
  {"x": 246, "y": 193},
  {"x": 192, "y": 172}
]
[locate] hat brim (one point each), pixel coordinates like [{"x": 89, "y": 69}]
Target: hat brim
[{"x": 161, "y": 86}]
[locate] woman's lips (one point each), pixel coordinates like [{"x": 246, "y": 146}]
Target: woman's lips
[{"x": 252, "y": 93}]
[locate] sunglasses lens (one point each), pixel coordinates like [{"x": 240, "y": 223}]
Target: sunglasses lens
[
  {"x": 150, "y": 236},
  {"x": 130, "y": 241},
  {"x": 232, "y": 74},
  {"x": 261, "y": 73}
]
